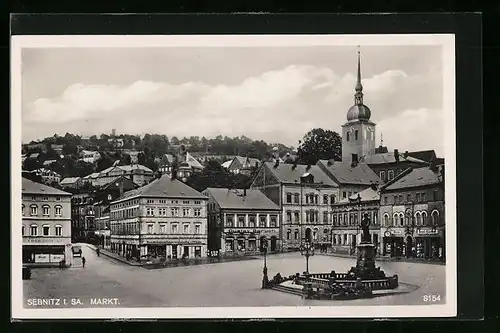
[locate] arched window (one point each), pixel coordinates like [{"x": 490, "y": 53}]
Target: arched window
[
  {"x": 58, "y": 230},
  {"x": 332, "y": 199},
  {"x": 46, "y": 230},
  {"x": 296, "y": 234},
  {"x": 33, "y": 230},
  {"x": 58, "y": 210},
  {"x": 315, "y": 234},
  {"x": 418, "y": 218},
  {"x": 45, "y": 210},
  {"x": 288, "y": 234},
  {"x": 424, "y": 218},
  {"x": 396, "y": 219},
  {"x": 33, "y": 210},
  {"x": 435, "y": 217},
  {"x": 386, "y": 219},
  {"x": 408, "y": 217},
  {"x": 401, "y": 219}
]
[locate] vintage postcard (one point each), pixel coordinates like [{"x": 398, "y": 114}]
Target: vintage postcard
[{"x": 224, "y": 176}]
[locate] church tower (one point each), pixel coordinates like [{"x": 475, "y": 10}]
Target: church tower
[{"x": 358, "y": 134}]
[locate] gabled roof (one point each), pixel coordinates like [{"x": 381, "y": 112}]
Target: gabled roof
[
  {"x": 31, "y": 187},
  {"x": 286, "y": 173},
  {"x": 368, "y": 194},
  {"x": 164, "y": 187},
  {"x": 227, "y": 164},
  {"x": 388, "y": 158},
  {"x": 69, "y": 180},
  {"x": 424, "y": 155},
  {"x": 114, "y": 181},
  {"x": 193, "y": 162},
  {"x": 131, "y": 167},
  {"x": 345, "y": 173},
  {"x": 235, "y": 199},
  {"x": 252, "y": 161},
  {"x": 415, "y": 178}
]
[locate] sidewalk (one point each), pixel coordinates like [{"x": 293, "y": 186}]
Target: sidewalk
[
  {"x": 380, "y": 258},
  {"x": 115, "y": 256}
]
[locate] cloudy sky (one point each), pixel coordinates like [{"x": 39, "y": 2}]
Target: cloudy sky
[{"x": 274, "y": 94}]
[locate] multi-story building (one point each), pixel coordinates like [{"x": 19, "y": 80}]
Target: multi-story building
[
  {"x": 82, "y": 216},
  {"x": 389, "y": 165},
  {"x": 346, "y": 216},
  {"x": 184, "y": 163},
  {"x": 351, "y": 177},
  {"x": 243, "y": 165},
  {"x": 103, "y": 197},
  {"x": 46, "y": 224},
  {"x": 304, "y": 194},
  {"x": 139, "y": 174},
  {"x": 241, "y": 220},
  {"x": 71, "y": 183},
  {"x": 47, "y": 176},
  {"x": 164, "y": 219},
  {"x": 90, "y": 156},
  {"x": 412, "y": 214}
]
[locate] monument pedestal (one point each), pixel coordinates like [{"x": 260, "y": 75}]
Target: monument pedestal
[{"x": 365, "y": 264}]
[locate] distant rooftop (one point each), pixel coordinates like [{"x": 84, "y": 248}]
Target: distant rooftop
[
  {"x": 31, "y": 187},
  {"x": 236, "y": 199}
]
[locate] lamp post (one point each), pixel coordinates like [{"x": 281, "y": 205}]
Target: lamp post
[
  {"x": 307, "y": 250},
  {"x": 265, "y": 279}
]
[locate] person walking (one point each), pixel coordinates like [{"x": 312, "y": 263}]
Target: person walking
[
  {"x": 98, "y": 251},
  {"x": 83, "y": 262}
]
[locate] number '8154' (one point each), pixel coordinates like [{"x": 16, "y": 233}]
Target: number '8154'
[{"x": 431, "y": 298}]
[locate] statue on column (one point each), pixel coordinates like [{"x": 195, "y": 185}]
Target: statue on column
[{"x": 365, "y": 227}]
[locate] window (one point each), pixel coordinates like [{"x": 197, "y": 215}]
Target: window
[
  {"x": 58, "y": 198},
  {"x": 149, "y": 201},
  {"x": 356, "y": 135},
  {"x": 296, "y": 216},
  {"x": 418, "y": 197},
  {"x": 289, "y": 216},
  {"x": 251, "y": 221},
  {"x": 418, "y": 217},
  {"x": 325, "y": 199},
  {"x": 197, "y": 229},
  {"x": 390, "y": 174},
  {"x": 241, "y": 221},
  {"x": 45, "y": 198},
  {"x": 186, "y": 228},
  {"x": 58, "y": 230},
  {"x": 395, "y": 199},
  {"x": 288, "y": 198},
  {"x": 186, "y": 202},
  {"x": 423, "y": 197},
  {"x": 308, "y": 216},
  {"x": 296, "y": 198},
  {"x": 296, "y": 234},
  {"x": 386, "y": 200},
  {"x": 197, "y": 212},
  {"x": 435, "y": 217},
  {"x": 386, "y": 220},
  {"x": 149, "y": 211},
  {"x": 325, "y": 217},
  {"x": 33, "y": 210},
  {"x": 396, "y": 219},
  {"x": 197, "y": 202},
  {"x": 22, "y": 210},
  {"x": 400, "y": 198},
  {"x": 424, "y": 218},
  {"x": 382, "y": 176},
  {"x": 33, "y": 230},
  {"x": 174, "y": 229},
  {"x": 316, "y": 199},
  {"x": 162, "y": 211},
  {"x": 408, "y": 198},
  {"x": 332, "y": 199},
  {"x": 185, "y": 211},
  {"x": 46, "y": 230},
  {"x": 58, "y": 210},
  {"x": 288, "y": 234},
  {"x": 375, "y": 218},
  {"x": 344, "y": 195},
  {"x": 262, "y": 221},
  {"x": 150, "y": 228},
  {"x": 401, "y": 219},
  {"x": 347, "y": 136},
  {"x": 174, "y": 211},
  {"x": 229, "y": 221},
  {"x": 349, "y": 194},
  {"x": 334, "y": 219},
  {"x": 22, "y": 230},
  {"x": 163, "y": 229}
]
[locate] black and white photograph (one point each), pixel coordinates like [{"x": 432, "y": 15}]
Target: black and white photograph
[{"x": 224, "y": 176}]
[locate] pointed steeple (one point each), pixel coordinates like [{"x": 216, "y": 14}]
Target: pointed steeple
[{"x": 358, "y": 96}]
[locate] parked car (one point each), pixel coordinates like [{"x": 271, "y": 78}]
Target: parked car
[{"x": 26, "y": 272}]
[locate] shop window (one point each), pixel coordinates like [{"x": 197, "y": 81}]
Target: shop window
[
  {"x": 58, "y": 230},
  {"x": 33, "y": 230}
]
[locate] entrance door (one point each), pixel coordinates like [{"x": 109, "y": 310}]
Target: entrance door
[
  {"x": 185, "y": 253},
  {"x": 263, "y": 240},
  {"x": 273, "y": 243},
  {"x": 174, "y": 251},
  {"x": 308, "y": 235},
  {"x": 409, "y": 247}
]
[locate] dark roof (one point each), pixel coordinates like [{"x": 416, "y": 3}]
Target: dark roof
[
  {"x": 389, "y": 158},
  {"x": 123, "y": 179},
  {"x": 235, "y": 199},
  {"x": 381, "y": 150},
  {"x": 286, "y": 173},
  {"x": 368, "y": 194},
  {"x": 164, "y": 187},
  {"x": 439, "y": 161},
  {"x": 416, "y": 178},
  {"x": 31, "y": 187},
  {"x": 345, "y": 173},
  {"x": 424, "y": 155}
]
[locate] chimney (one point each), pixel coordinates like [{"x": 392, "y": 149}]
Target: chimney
[
  {"x": 396, "y": 155},
  {"x": 354, "y": 160}
]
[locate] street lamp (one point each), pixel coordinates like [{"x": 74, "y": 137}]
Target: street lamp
[
  {"x": 307, "y": 250},
  {"x": 264, "y": 270}
]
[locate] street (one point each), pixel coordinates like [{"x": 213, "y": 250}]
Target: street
[{"x": 224, "y": 284}]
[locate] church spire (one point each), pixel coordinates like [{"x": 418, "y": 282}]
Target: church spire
[{"x": 358, "y": 96}]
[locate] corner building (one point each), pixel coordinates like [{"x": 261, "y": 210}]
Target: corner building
[
  {"x": 165, "y": 219},
  {"x": 46, "y": 225}
]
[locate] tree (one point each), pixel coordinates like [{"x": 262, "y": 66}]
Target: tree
[
  {"x": 31, "y": 164},
  {"x": 213, "y": 175},
  {"x": 320, "y": 144}
]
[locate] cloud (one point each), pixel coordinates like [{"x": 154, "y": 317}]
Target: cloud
[{"x": 279, "y": 105}]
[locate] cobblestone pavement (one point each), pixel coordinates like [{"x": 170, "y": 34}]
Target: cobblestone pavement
[{"x": 224, "y": 284}]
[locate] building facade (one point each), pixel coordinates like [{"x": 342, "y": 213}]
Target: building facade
[
  {"x": 46, "y": 224},
  {"x": 243, "y": 165},
  {"x": 82, "y": 217},
  {"x": 346, "y": 218},
  {"x": 412, "y": 213},
  {"x": 241, "y": 221},
  {"x": 165, "y": 219},
  {"x": 139, "y": 174},
  {"x": 304, "y": 194}
]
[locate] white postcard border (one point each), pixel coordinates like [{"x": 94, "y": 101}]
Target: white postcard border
[{"x": 443, "y": 310}]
